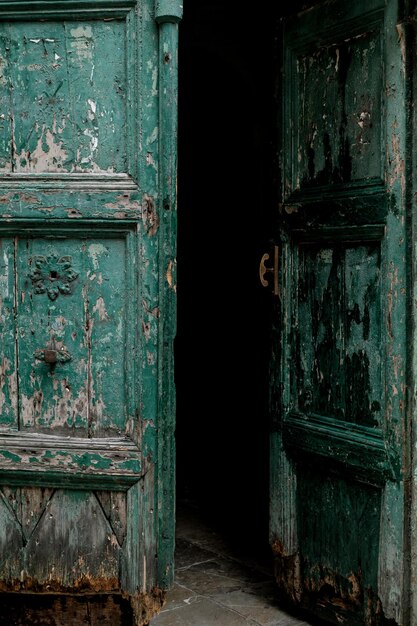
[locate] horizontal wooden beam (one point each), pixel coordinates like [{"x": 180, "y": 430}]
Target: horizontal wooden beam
[
  {"x": 358, "y": 450},
  {"x": 48, "y": 460},
  {"x": 82, "y": 182},
  {"x": 77, "y": 9}
]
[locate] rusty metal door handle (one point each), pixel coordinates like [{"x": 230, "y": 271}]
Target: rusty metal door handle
[
  {"x": 263, "y": 269},
  {"x": 52, "y": 356}
]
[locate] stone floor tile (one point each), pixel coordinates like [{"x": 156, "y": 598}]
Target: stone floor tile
[
  {"x": 243, "y": 598},
  {"x": 203, "y": 612},
  {"x": 214, "y": 587},
  {"x": 267, "y": 615},
  {"x": 179, "y": 597},
  {"x": 257, "y": 602},
  {"x": 188, "y": 554},
  {"x": 207, "y": 584},
  {"x": 230, "y": 567}
]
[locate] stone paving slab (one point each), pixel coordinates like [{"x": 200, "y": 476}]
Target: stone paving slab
[
  {"x": 184, "y": 608},
  {"x": 214, "y": 590},
  {"x": 215, "y": 586}
]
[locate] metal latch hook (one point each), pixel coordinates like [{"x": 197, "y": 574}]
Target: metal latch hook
[{"x": 263, "y": 270}]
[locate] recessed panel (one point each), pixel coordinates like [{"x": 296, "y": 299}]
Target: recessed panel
[
  {"x": 72, "y": 294},
  {"x": 339, "y": 530},
  {"x": 337, "y": 95},
  {"x": 338, "y": 335},
  {"x": 63, "y": 97}
]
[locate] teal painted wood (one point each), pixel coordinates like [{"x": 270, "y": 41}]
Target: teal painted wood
[
  {"x": 321, "y": 541},
  {"x": 51, "y": 9},
  {"x": 360, "y": 449},
  {"x": 168, "y": 11},
  {"x": 8, "y": 378},
  {"x": 82, "y": 311},
  {"x": 33, "y": 60},
  {"x": 339, "y": 401},
  {"x": 81, "y": 463},
  {"x": 88, "y": 232},
  {"x": 168, "y": 86},
  {"x": 411, "y": 493},
  {"x": 345, "y": 387}
]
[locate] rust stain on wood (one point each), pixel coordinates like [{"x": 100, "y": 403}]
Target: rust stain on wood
[
  {"x": 145, "y": 605},
  {"x": 84, "y": 584},
  {"x": 287, "y": 570},
  {"x": 150, "y": 216},
  {"x": 48, "y": 609}
]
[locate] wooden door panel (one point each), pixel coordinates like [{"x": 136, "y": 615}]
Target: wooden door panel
[
  {"x": 340, "y": 553},
  {"x": 81, "y": 296},
  {"x": 333, "y": 105},
  {"x": 337, "y": 371},
  {"x": 338, "y": 446},
  {"x": 66, "y": 81},
  {"x": 72, "y": 297},
  {"x": 91, "y": 559},
  {"x": 340, "y": 118},
  {"x": 62, "y": 541}
]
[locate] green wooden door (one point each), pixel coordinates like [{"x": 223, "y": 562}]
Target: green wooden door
[
  {"x": 339, "y": 440},
  {"x": 87, "y": 106}
]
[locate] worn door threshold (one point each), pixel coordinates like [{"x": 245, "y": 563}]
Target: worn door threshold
[{"x": 32, "y": 609}]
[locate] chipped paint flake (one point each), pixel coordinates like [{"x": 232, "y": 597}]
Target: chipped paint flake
[
  {"x": 169, "y": 276},
  {"x": 93, "y": 106},
  {"x": 397, "y": 172},
  {"x": 5, "y": 369},
  {"x": 49, "y": 155},
  {"x": 95, "y": 251},
  {"x": 100, "y": 309},
  {"x": 81, "y": 43}
]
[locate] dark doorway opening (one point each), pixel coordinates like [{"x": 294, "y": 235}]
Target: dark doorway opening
[{"x": 227, "y": 192}]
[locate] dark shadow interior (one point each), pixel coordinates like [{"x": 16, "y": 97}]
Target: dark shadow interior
[{"x": 227, "y": 193}]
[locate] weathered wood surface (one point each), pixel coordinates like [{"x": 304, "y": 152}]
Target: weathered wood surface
[
  {"x": 82, "y": 463},
  {"x": 339, "y": 401},
  {"x": 50, "y": 610},
  {"x": 56, "y": 130},
  {"x": 72, "y": 296},
  {"x": 339, "y": 362},
  {"x": 87, "y": 236}
]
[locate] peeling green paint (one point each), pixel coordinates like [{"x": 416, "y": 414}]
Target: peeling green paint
[
  {"x": 9, "y": 456},
  {"x": 340, "y": 444},
  {"x": 44, "y": 62},
  {"x": 132, "y": 465},
  {"x": 86, "y": 380}
]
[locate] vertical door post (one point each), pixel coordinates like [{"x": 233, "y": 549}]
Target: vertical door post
[{"x": 168, "y": 13}]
